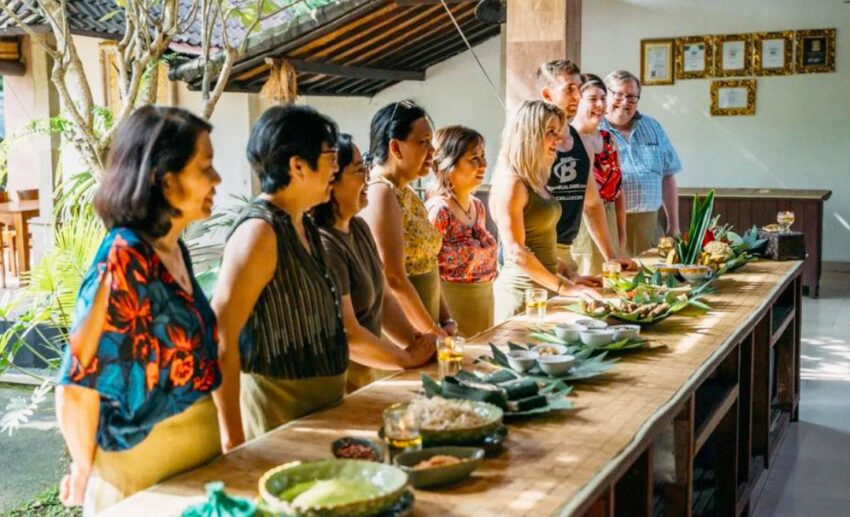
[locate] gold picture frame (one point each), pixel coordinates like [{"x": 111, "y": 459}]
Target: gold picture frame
[
  {"x": 815, "y": 51},
  {"x": 732, "y": 55},
  {"x": 694, "y": 57},
  {"x": 733, "y": 97},
  {"x": 773, "y": 53},
  {"x": 656, "y": 61}
]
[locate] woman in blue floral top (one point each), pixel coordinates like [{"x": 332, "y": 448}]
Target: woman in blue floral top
[{"x": 133, "y": 397}]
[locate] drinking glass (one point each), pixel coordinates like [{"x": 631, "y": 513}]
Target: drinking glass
[
  {"x": 535, "y": 304},
  {"x": 401, "y": 429},
  {"x": 785, "y": 219},
  {"x": 610, "y": 273},
  {"x": 450, "y": 355}
]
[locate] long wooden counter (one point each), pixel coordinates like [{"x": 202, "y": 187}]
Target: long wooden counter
[{"x": 729, "y": 379}]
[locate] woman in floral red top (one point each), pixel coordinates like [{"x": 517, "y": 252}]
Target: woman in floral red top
[
  {"x": 133, "y": 393},
  {"x": 606, "y": 171},
  {"x": 467, "y": 258}
]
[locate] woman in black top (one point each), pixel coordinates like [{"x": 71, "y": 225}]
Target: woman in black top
[
  {"x": 367, "y": 307},
  {"x": 278, "y": 308}
]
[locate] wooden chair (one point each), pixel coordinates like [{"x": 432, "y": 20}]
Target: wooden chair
[
  {"x": 7, "y": 243},
  {"x": 26, "y": 195}
]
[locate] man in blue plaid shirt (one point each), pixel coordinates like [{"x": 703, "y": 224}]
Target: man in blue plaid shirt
[{"x": 648, "y": 161}]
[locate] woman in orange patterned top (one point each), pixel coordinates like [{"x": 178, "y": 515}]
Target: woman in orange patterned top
[
  {"x": 401, "y": 152},
  {"x": 133, "y": 392},
  {"x": 468, "y": 257}
]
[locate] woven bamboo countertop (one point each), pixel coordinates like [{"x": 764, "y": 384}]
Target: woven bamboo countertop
[{"x": 552, "y": 463}]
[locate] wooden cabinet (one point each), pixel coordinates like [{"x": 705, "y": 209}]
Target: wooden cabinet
[{"x": 745, "y": 207}]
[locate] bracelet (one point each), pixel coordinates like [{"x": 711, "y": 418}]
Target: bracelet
[{"x": 448, "y": 321}]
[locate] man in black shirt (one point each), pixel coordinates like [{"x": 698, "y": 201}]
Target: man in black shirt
[{"x": 572, "y": 182}]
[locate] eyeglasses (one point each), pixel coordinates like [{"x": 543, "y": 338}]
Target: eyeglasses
[{"x": 623, "y": 96}]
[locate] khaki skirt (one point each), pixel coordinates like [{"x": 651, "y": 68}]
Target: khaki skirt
[
  {"x": 509, "y": 292},
  {"x": 471, "y": 305},
  {"x": 177, "y": 444},
  {"x": 267, "y": 402},
  {"x": 586, "y": 253},
  {"x": 427, "y": 285}
]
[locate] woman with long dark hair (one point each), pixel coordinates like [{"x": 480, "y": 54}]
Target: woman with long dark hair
[
  {"x": 132, "y": 396},
  {"x": 401, "y": 152}
]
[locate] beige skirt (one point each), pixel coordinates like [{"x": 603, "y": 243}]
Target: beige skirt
[
  {"x": 509, "y": 292},
  {"x": 427, "y": 285},
  {"x": 177, "y": 444},
  {"x": 267, "y": 402},
  {"x": 471, "y": 305},
  {"x": 586, "y": 253}
]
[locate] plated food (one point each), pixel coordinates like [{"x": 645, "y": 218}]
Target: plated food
[
  {"x": 349, "y": 448},
  {"x": 455, "y": 421},
  {"x": 332, "y": 488},
  {"x": 439, "y": 465}
]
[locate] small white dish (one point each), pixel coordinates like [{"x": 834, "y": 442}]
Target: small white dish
[
  {"x": 695, "y": 274},
  {"x": 597, "y": 337},
  {"x": 589, "y": 323},
  {"x": 522, "y": 360},
  {"x": 625, "y": 331},
  {"x": 568, "y": 332},
  {"x": 549, "y": 350},
  {"x": 556, "y": 364}
]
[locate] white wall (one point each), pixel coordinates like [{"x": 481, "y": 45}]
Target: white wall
[
  {"x": 800, "y": 135},
  {"x": 454, "y": 92}
]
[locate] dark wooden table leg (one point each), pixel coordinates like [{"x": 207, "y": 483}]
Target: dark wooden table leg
[{"x": 22, "y": 234}]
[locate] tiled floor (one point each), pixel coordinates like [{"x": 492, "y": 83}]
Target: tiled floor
[{"x": 811, "y": 476}]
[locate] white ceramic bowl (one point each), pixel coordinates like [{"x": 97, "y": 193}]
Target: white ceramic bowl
[
  {"x": 597, "y": 337},
  {"x": 695, "y": 274},
  {"x": 522, "y": 360},
  {"x": 549, "y": 349},
  {"x": 556, "y": 364},
  {"x": 567, "y": 332},
  {"x": 589, "y": 323},
  {"x": 625, "y": 331},
  {"x": 665, "y": 268}
]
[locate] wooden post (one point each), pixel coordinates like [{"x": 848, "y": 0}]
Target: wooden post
[{"x": 538, "y": 31}]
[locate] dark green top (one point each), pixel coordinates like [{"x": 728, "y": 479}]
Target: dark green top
[
  {"x": 356, "y": 268},
  {"x": 541, "y": 216},
  {"x": 295, "y": 330}
]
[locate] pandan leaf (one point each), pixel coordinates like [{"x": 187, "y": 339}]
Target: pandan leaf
[
  {"x": 548, "y": 338},
  {"x": 499, "y": 356},
  {"x": 516, "y": 346},
  {"x": 432, "y": 388}
]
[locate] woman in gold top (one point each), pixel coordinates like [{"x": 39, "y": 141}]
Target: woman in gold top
[
  {"x": 524, "y": 211},
  {"x": 401, "y": 152}
]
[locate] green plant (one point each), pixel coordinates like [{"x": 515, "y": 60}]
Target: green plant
[
  {"x": 690, "y": 245},
  {"x": 45, "y": 504}
]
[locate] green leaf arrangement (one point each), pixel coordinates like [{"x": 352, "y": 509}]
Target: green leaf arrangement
[
  {"x": 588, "y": 365},
  {"x": 555, "y": 393},
  {"x": 688, "y": 249}
]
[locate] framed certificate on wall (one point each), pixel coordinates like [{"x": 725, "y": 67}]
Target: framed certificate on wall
[
  {"x": 815, "y": 51},
  {"x": 733, "y": 55},
  {"x": 656, "y": 61},
  {"x": 694, "y": 57},
  {"x": 773, "y": 53},
  {"x": 733, "y": 97}
]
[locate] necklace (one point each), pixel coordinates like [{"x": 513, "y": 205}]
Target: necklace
[{"x": 467, "y": 212}]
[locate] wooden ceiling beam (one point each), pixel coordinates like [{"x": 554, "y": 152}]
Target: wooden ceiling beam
[
  {"x": 418, "y": 33},
  {"x": 356, "y": 72}
]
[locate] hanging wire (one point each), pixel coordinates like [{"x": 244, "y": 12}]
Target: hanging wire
[{"x": 462, "y": 35}]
